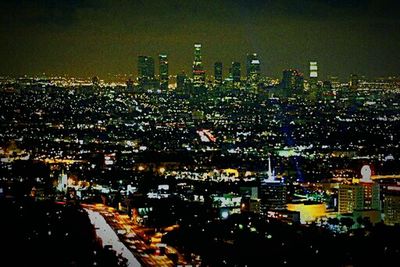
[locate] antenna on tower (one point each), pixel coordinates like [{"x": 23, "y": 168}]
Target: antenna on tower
[{"x": 269, "y": 172}]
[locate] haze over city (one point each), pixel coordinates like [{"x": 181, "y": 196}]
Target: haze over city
[{"x": 88, "y": 38}]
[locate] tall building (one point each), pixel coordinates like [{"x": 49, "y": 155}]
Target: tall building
[
  {"x": 362, "y": 196},
  {"x": 253, "y": 69},
  {"x": 163, "y": 70},
  {"x": 145, "y": 70},
  {"x": 273, "y": 193},
  {"x": 181, "y": 81},
  {"x": 391, "y": 204},
  {"x": 235, "y": 72},
  {"x": 218, "y": 73},
  {"x": 199, "y": 75},
  {"x": 313, "y": 74},
  {"x": 292, "y": 80}
]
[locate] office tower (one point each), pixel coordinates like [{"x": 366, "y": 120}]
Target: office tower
[
  {"x": 199, "y": 75},
  {"x": 145, "y": 70},
  {"x": 313, "y": 70},
  {"x": 253, "y": 69},
  {"x": 354, "y": 81},
  {"x": 313, "y": 74},
  {"x": 181, "y": 81},
  {"x": 163, "y": 69},
  {"x": 218, "y": 73},
  {"x": 235, "y": 72},
  {"x": 362, "y": 196},
  {"x": 391, "y": 204},
  {"x": 292, "y": 80},
  {"x": 273, "y": 193}
]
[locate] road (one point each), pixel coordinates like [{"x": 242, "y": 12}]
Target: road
[
  {"x": 144, "y": 247},
  {"x": 109, "y": 237}
]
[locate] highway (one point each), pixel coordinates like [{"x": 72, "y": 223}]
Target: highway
[
  {"x": 143, "y": 248},
  {"x": 109, "y": 237}
]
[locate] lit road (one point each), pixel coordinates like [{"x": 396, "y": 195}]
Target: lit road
[
  {"x": 109, "y": 237},
  {"x": 144, "y": 248}
]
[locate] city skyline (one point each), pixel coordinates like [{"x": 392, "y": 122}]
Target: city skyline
[
  {"x": 90, "y": 38},
  {"x": 200, "y": 133}
]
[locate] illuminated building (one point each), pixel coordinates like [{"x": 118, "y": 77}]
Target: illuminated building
[
  {"x": 362, "y": 196},
  {"x": 62, "y": 182},
  {"x": 199, "y": 75},
  {"x": 163, "y": 70},
  {"x": 250, "y": 191},
  {"x": 145, "y": 70},
  {"x": 273, "y": 193},
  {"x": 292, "y": 80},
  {"x": 250, "y": 200},
  {"x": 235, "y": 72},
  {"x": 287, "y": 216},
  {"x": 227, "y": 204},
  {"x": 391, "y": 205},
  {"x": 313, "y": 74},
  {"x": 253, "y": 69},
  {"x": 218, "y": 73},
  {"x": 309, "y": 211}
]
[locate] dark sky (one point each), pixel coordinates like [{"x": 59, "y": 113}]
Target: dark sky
[{"x": 96, "y": 37}]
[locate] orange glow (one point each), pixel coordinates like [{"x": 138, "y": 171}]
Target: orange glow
[{"x": 308, "y": 212}]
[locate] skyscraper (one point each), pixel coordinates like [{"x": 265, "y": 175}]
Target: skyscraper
[
  {"x": 163, "y": 69},
  {"x": 145, "y": 70},
  {"x": 362, "y": 196},
  {"x": 253, "y": 69},
  {"x": 272, "y": 192},
  {"x": 218, "y": 73},
  {"x": 199, "y": 75},
  {"x": 235, "y": 72},
  {"x": 391, "y": 204},
  {"x": 181, "y": 81},
  {"x": 313, "y": 74}
]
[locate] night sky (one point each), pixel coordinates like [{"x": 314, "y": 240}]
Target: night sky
[{"x": 97, "y": 37}]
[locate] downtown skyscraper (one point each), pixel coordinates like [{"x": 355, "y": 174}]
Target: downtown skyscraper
[
  {"x": 218, "y": 73},
  {"x": 145, "y": 70},
  {"x": 253, "y": 70},
  {"x": 199, "y": 74},
  {"x": 163, "y": 71},
  {"x": 313, "y": 74}
]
